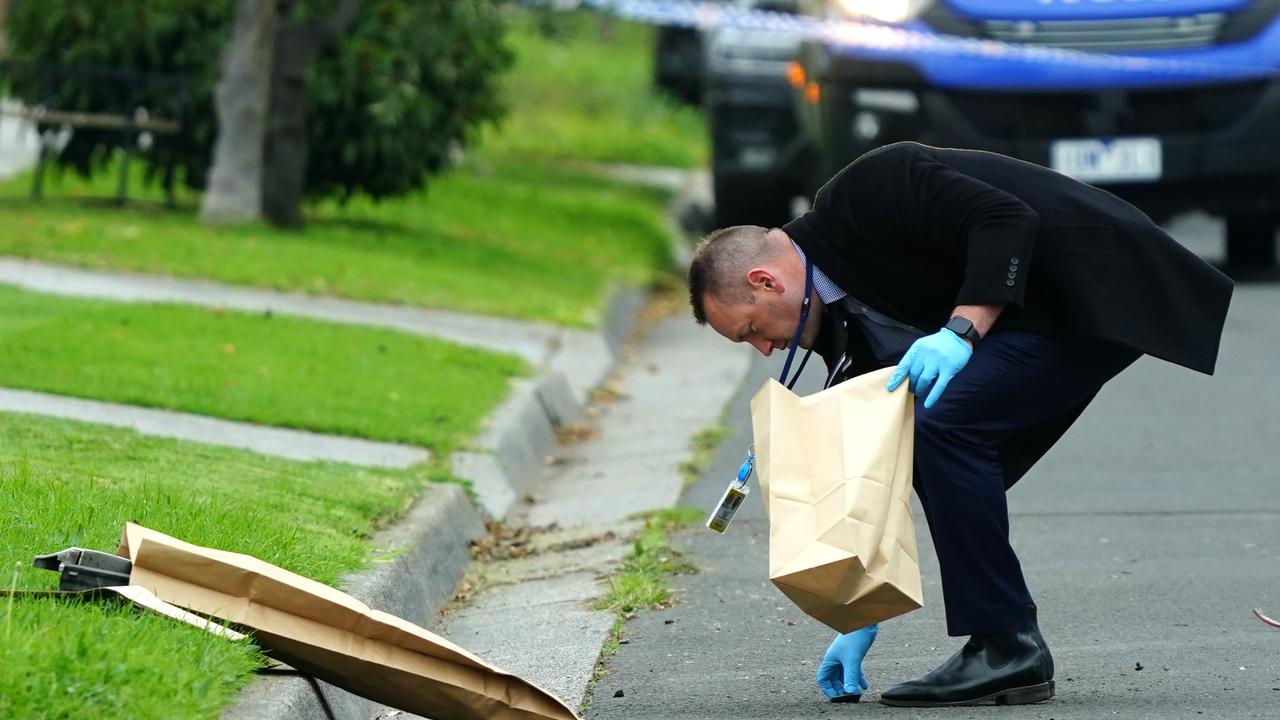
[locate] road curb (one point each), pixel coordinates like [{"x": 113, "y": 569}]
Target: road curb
[{"x": 511, "y": 454}]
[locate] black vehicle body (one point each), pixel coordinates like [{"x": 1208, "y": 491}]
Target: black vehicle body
[{"x": 1213, "y": 142}]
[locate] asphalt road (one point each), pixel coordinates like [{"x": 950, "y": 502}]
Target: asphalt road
[{"x": 1147, "y": 536}]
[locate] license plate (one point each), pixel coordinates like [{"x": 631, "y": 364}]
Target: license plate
[{"x": 1116, "y": 160}]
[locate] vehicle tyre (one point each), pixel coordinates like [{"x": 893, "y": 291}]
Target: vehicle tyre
[
  {"x": 1251, "y": 241},
  {"x": 751, "y": 201}
]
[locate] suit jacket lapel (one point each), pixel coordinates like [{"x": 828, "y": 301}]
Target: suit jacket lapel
[{"x": 840, "y": 339}]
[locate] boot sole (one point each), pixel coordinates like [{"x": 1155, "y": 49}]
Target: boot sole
[{"x": 1014, "y": 696}]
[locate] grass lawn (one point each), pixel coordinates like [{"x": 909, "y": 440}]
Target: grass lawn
[
  {"x": 273, "y": 370},
  {"x": 516, "y": 230},
  {"x": 586, "y": 93},
  {"x": 64, "y": 483}
]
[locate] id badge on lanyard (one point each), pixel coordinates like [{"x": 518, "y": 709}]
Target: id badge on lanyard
[{"x": 737, "y": 491}]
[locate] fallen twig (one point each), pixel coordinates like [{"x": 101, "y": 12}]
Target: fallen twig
[{"x": 1265, "y": 619}]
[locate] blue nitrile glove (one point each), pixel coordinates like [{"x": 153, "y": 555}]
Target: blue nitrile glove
[
  {"x": 840, "y": 672},
  {"x": 931, "y": 362}
]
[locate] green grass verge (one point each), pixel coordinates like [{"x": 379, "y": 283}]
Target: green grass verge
[
  {"x": 586, "y": 93},
  {"x": 103, "y": 660},
  {"x": 64, "y": 483},
  {"x": 267, "y": 369}
]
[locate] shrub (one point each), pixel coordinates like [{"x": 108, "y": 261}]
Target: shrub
[{"x": 386, "y": 100}]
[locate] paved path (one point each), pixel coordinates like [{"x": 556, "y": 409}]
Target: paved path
[
  {"x": 280, "y": 442},
  {"x": 1147, "y": 535}
]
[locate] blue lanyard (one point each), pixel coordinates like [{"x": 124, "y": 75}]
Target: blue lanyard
[
  {"x": 795, "y": 341},
  {"x": 748, "y": 465},
  {"x": 744, "y": 472}
]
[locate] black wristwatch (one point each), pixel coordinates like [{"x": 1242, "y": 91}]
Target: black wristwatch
[{"x": 964, "y": 328}]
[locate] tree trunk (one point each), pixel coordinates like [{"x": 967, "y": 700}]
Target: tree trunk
[
  {"x": 285, "y": 151},
  {"x": 3, "y": 7},
  {"x": 233, "y": 192}
]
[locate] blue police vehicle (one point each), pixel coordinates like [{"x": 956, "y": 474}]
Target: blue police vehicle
[{"x": 1180, "y": 111}]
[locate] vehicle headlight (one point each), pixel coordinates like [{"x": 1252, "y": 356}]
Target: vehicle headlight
[{"x": 889, "y": 11}]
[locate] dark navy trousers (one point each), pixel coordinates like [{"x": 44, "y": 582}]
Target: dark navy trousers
[{"x": 1014, "y": 380}]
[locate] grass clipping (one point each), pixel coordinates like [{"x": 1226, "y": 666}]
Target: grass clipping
[{"x": 641, "y": 583}]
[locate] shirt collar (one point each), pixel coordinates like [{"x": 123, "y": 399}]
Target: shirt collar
[{"x": 828, "y": 291}]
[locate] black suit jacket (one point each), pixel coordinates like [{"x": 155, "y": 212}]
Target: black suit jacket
[{"x": 914, "y": 231}]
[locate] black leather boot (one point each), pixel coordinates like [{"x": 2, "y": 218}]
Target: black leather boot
[{"x": 1012, "y": 669}]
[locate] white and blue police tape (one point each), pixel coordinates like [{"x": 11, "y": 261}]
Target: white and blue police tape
[{"x": 888, "y": 42}]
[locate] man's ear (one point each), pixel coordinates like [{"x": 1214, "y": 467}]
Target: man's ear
[{"x": 764, "y": 279}]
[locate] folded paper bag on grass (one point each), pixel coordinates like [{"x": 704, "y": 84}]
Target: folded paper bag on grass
[
  {"x": 835, "y": 470},
  {"x": 331, "y": 635}
]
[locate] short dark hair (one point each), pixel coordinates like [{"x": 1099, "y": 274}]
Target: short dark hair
[{"x": 720, "y": 264}]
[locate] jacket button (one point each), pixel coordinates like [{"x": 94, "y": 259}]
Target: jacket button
[
  {"x": 1013, "y": 268},
  {"x": 1013, "y": 275},
  {"x": 1009, "y": 283},
  {"x": 1013, "y": 260}
]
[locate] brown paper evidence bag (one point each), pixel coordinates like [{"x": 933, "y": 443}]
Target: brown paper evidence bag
[
  {"x": 323, "y": 632},
  {"x": 835, "y": 469}
]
